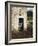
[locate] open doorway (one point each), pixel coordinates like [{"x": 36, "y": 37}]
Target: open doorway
[{"x": 21, "y": 24}]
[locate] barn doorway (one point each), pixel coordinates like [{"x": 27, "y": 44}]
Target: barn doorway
[{"x": 21, "y": 24}]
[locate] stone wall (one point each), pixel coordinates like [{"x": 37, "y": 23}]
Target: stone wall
[{"x": 15, "y": 15}]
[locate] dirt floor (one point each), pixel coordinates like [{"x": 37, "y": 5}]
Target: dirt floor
[{"x": 23, "y": 34}]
